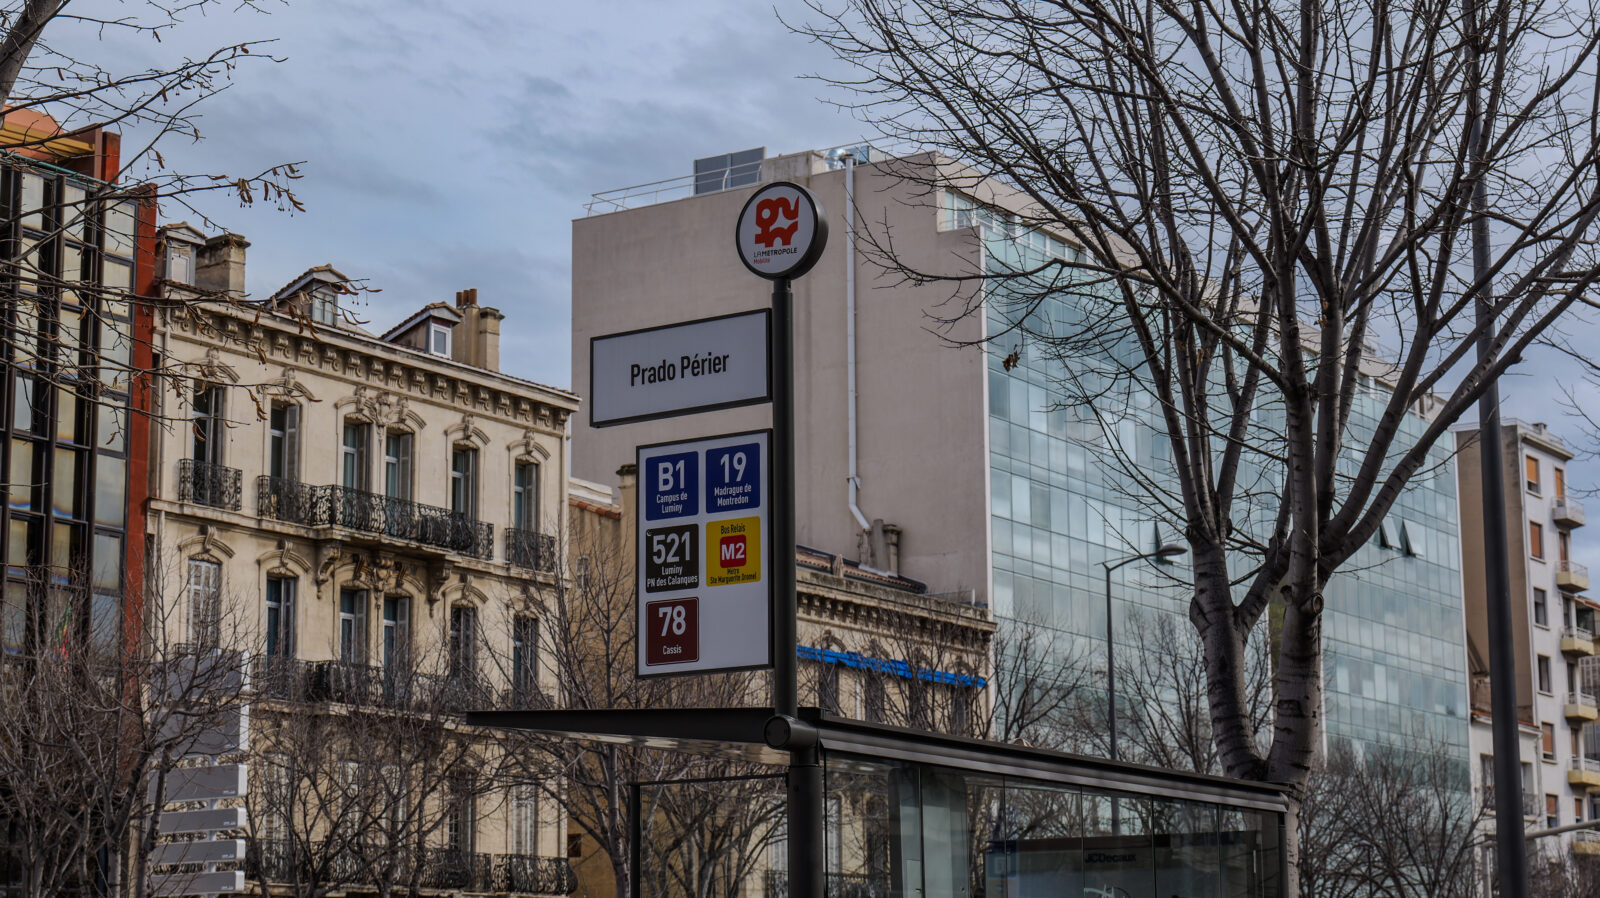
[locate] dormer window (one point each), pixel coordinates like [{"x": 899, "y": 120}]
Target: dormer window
[
  {"x": 180, "y": 263},
  {"x": 324, "y": 308},
  {"x": 439, "y": 339}
]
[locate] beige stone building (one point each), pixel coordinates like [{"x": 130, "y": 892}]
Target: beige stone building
[
  {"x": 1553, "y": 624},
  {"x": 369, "y": 517}
]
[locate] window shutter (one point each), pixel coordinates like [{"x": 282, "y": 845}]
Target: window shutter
[
  {"x": 286, "y": 617},
  {"x": 360, "y": 653},
  {"x": 405, "y": 466},
  {"x": 531, "y": 498},
  {"x": 291, "y": 442}
]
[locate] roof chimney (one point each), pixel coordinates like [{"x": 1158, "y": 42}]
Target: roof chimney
[
  {"x": 220, "y": 266},
  {"x": 476, "y": 340}
]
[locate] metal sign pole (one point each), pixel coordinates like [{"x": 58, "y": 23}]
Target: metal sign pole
[
  {"x": 780, "y": 234},
  {"x": 785, "y": 672},
  {"x": 805, "y": 833}
]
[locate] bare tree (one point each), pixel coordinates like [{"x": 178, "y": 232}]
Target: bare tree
[
  {"x": 369, "y": 778},
  {"x": 1260, "y": 193},
  {"x": 1562, "y": 876},
  {"x": 587, "y": 638},
  {"x": 712, "y": 831},
  {"x": 1162, "y": 703},
  {"x": 48, "y": 66},
  {"x": 1038, "y": 686},
  {"x": 1390, "y": 820},
  {"x": 98, "y": 712}
]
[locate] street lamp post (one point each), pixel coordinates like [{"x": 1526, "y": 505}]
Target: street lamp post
[{"x": 1168, "y": 550}]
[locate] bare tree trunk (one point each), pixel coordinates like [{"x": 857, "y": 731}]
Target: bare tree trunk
[{"x": 21, "y": 38}]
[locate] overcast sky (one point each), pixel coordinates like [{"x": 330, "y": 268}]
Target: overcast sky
[
  {"x": 447, "y": 149},
  {"x": 449, "y": 145}
]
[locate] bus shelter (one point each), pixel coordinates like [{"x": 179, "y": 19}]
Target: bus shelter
[{"x": 911, "y": 814}]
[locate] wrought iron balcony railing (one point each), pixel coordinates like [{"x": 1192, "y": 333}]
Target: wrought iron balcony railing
[
  {"x": 350, "y": 683},
  {"x": 526, "y": 696},
  {"x": 282, "y": 861},
  {"x": 336, "y": 506},
  {"x": 1530, "y": 802},
  {"x": 445, "y": 868},
  {"x": 535, "y": 875},
  {"x": 205, "y": 483},
  {"x": 835, "y": 885},
  {"x": 531, "y": 549}
]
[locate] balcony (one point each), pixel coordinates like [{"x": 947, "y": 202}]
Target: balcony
[
  {"x": 1572, "y": 576},
  {"x": 287, "y": 500},
  {"x": 1581, "y": 708},
  {"x": 1568, "y": 512},
  {"x": 834, "y": 885},
  {"x": 362, "y": 685},
  {"x": 280, "y": 861},
  {"x": 205, "y": 483},
  {"x": 1584, "y": 772},
  {"x": 1586, "y": 842},
  {"x": 525, "y": 696},
  {"x": 535, "y": 875},
  {"x": 1530, "y": 802},
  {"x": 531, "y": 549},
  {"x": 1577, "y": 641}
]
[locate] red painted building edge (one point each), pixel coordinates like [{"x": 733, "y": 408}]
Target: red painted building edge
[{"x": 141, "y": 401}]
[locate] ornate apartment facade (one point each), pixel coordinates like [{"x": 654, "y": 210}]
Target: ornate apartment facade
[{"x": 372, "y": 519}]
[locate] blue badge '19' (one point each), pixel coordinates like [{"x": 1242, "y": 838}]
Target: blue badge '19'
[{"x": 733, "y": 478}]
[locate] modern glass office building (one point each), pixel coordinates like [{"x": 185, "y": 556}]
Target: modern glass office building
[
  {"x": 1067, "y": 496},
  {"x": 69, "y": 245}
]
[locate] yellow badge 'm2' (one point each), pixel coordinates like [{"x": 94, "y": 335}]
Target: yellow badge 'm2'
[{"x": 733, "y": 551}]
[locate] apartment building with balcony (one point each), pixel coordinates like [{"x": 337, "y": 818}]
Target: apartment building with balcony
[
  {"x": 1553, "y": 623},
  {"x": 373, "y": 520}
]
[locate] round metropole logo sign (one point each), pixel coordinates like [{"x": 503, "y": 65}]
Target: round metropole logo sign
[{"x": 781, "y": 231}]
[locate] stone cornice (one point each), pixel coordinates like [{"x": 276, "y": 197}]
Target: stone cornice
[
  {"x": 825, "y": 599},
  {"x": 365, "y": 361}
]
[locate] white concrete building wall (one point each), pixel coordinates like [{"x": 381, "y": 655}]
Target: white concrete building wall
[{"x": 922, "y": 419}]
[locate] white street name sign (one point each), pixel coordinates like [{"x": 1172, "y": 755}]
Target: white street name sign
[{"x": 697, "y": 366}]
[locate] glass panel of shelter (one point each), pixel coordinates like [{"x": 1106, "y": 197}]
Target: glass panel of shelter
[{"x": 903, "y": 830}]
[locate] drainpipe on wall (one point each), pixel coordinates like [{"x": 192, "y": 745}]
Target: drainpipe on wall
[{"x": 853, "y": 481}]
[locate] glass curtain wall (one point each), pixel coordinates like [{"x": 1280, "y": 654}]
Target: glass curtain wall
[
  {"x": 1072, "y": 485},
  {"x": 68, "y": 348}
]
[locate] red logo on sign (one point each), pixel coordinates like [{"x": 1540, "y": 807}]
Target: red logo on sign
[
  {"x": 768, "y": 213},
  {"x": 733, "y": 551}
]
